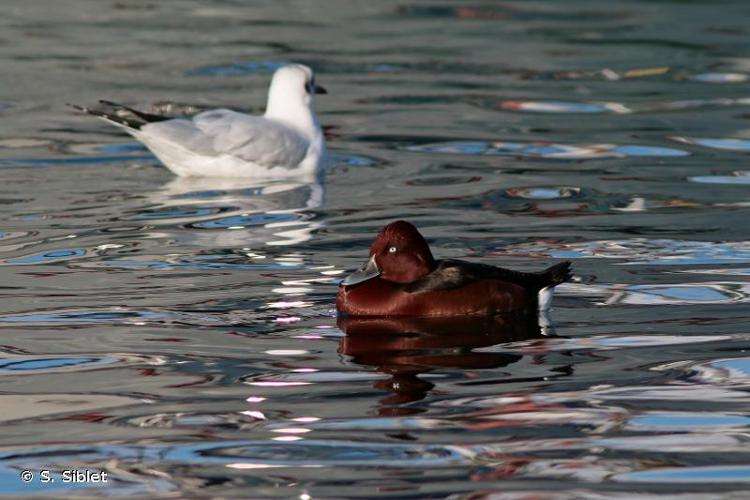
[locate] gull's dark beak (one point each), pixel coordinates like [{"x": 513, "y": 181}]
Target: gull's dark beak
[
  {"x": 320, "y": 90},
  {"x": 364, "y": 273}
]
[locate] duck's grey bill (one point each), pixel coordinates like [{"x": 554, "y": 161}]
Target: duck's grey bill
[
  {"x": 364, "y": 273},
  {"x": 320, "y": 90}
]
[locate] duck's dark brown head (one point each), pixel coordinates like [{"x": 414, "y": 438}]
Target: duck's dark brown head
[{"x": 401, "y": 253}]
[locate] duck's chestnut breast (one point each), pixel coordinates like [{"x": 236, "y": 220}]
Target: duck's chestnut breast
[{"x": 378, "y": 297}]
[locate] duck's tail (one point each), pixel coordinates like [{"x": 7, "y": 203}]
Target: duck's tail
[
  {"x": 551, "y": 277},
  {"x": 559, "y": 273}
]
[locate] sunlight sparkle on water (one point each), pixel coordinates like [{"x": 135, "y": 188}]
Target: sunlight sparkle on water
[
  {"x": 306, "y": 419},
  {"x": 288, "y": 305},
  {"x": 255, "y": 414},
  {"x": 277, "y": 383},
  {"x": 287, "y": 438},
  {"x": 248, "y": 466}
]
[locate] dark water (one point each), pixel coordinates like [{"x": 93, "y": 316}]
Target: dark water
[{"x": 181, "y": 336}]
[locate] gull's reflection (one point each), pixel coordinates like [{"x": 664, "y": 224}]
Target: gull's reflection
[
  {"x": 231, "y": 212},
  {"x": 404, "y": 348}
]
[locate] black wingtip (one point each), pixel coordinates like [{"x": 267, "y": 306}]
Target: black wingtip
[
  {"x": 559, "y": 273},
  {"x": 142, "y": 115},
  {"x": 87, "y": 110},
  {"x": 78, "y": 107},
  {"x": 114, "y": 104},
  {"x": 135, "y": 120}
]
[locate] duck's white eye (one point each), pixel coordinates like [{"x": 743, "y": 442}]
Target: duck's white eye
[{"x": 392, "y": 249}]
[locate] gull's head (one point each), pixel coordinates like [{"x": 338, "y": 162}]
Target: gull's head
[{"x": 292, "y": 89}]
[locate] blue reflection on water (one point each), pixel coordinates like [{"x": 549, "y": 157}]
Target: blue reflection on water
[
  {"x": 47, "y": 257},
  {"x": 258, "y": 219},
  {"x": 546, "y": 151},
  {"x": 237, "y": 69},
  {"x": 740, "y": 366},
  {"x": 727, "y": 144},
  {"x": 79, "y": 160},
  {"x": 690, "y": 421},
  {"x": 708, "y": 474},
  {"x": 173, "y": 213},
  {"x": 82, "y": 316},
  {"x": 553, "y": 106},
  {"x": 46, "y": 363},
  {"x": 677, "y": 292},
  {"x": 722, "y": 179},
  {"x": 196, "y": 265},
  {"x": 121, "y": 148},
  {"x": 650, "y": 151}
]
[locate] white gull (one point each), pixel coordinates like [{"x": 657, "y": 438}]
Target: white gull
[{"x": 286, "y": 141}]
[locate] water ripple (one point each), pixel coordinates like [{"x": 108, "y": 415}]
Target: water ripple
[
  {"x": 726, "y": 372},
  {"x": 738, "y": 178},
  {"x": 544, "y": 193},
  {"x": 242, "y": 221},
  {"x": 574, "y": 107},
  {"x": 78, "y": 160},
  {"x": 641, "y": 251},
  {"x": 22, "y": 365},
  {"x": 546, "y": 150},
  {"x": 565, "y": 107},
  {"x": 683, "y": 421},
  {"x": 708, "y": 474},
  {"x": 674, "y": 393},
  {"x": 664, "y": 294},
  {"x": 311, "y": 453},
  {"x": 719, "y": 77},
  {"x": 238, "y": 69},
  {"x": 174, "y": 213},
  {"x": 115, "y": 316},
  {"x": 193, "y": 262},
  {"x": 46, "y": 257},
  {"x": 692, "y": 443},
  {"x": 741, "y": 145},
  {"x": 608, "y": 342}
]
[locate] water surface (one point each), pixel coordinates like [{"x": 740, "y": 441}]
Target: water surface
[{"x": 180, "y": 334}]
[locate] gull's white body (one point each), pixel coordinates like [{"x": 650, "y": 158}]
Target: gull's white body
[{"x": 286, "y": 141}]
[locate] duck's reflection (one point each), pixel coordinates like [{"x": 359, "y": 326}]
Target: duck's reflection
[
  {"x": 247, "y": 212},
  {"x": 404, "y": 348}
]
